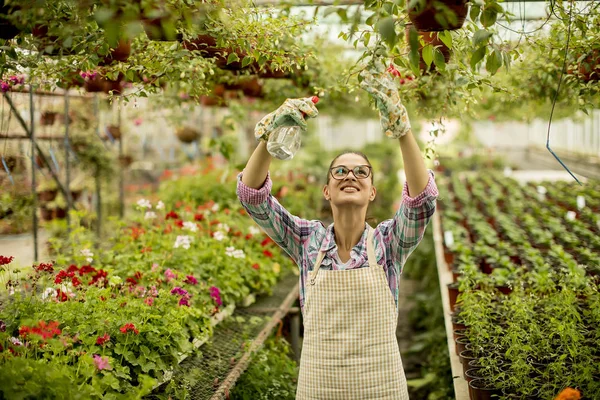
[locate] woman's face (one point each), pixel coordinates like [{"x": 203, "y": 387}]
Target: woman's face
[{"x": 349, "y": 190}]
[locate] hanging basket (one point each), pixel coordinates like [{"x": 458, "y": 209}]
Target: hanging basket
[
  {"x": 438, "y": 15},
  {"x": 186, "y": 134},
  {"x": 112, "y": 131},
  {"x": 48, "y": 118},
  {"x": 7, "y": 29},
  {"x": 429, "y": 38},
  {"x": 119, "y": 53},
  {"x": 589, "y": 67}
]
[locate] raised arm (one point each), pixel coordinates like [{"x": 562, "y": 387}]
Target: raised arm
[{"x": 257, "y": 168}]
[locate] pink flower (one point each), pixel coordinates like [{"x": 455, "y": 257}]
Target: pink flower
[
  {"x": 215, "y": 293},
  {"x": 191, "y": 280},
  {"x": 4, "y": 87},
  {"x": 155, "y": 267},
  {"x": 153, "y": 291},
  {"x": 101, "y": 362},
  {"x": 170, "y": 275},
  {"x": 149, "y": 301},
  {"x": 184, "y": 301},
  {"x": 138, "y": 121},
  {"x": 179, "y": 291}
]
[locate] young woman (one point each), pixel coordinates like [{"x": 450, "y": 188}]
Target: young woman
[{"x": 349, "y": 271}]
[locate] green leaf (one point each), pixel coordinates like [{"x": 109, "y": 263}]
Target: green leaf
[
  {"x": 366, "y": 39},
  {"x": 438, "y": 59},
  {"x": 493, "y": 62},
  {"x": 478, "y": 56},
  {"x": 386, "y": 29},
  {"x": 246, "y": 61},
  {"x": 474, "y": 13},
  {"x": 446, "y": 38},
  {"x": 329, "y": 10},
  {"x": 371, "y": 19},
  {"x": 489, "y": 16},
  {"x": 481, "y": 37},
  {"x": 232, "y": 57},
  {"x": 427, "y": 54}
]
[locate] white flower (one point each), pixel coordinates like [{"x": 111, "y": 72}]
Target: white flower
[
  {"x": 224, "y": 227},
  {"x": 219, "y": 235},
  {"x": 254, "y": 230},
  {"x": 183, "y": 241},
  {"x": 150, "y": 215},
  {"x": 144, "y": 203},
  {"x": 49, "y": 292},
  {"x": 229, "y": 251},
  {"x": 215, "y": 208},
  {"x": 15, "y": 341},
  {"x": 160, "y": 205},
  {"x": 239, "y": 254},
  {"x": 88, "y": 254},
  {"x": 191, "y": 226}
]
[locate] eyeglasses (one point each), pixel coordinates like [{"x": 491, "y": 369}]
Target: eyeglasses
[{"x": 341, "y": 172}]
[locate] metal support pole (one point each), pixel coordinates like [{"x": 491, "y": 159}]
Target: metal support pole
[
  {"x": 98, "y": 186},
  {"x": 67, "y": 164},
  {"x": 33, "y": 183},
  {"x": 35, "y": 145},
  {"x": 295, "y": 331},
  {"x": 121, "y": 173}
]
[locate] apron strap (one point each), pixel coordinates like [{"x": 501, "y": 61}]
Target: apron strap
[
  {"x": 371, "y": 249},
  {"x": 316, "y": 267}
]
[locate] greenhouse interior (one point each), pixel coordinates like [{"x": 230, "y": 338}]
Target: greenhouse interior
[{"x": 214, "y": 199}]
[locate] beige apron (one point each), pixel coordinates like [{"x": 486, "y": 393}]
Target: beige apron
[{"x": 350, "y": 349}]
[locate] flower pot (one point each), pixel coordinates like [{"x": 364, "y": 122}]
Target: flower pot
[
  {"x": 75, "y": 194},
  {"x": 589, "y": 67},
  {"x": 452, "y": 294},
  {"x": 94, "y": 85},
  {"x": 60, "y": 213},
  {"x": 465, "y": 356},
  {"x": 186, "y": 134},
  {"x": 426, "y": 15},
  {"x": 48, "y": 118},
  {"x": 460, "y": 344},
  {"x": 46, "y": 214},
  {"x": 112, "y": 132},
  {"x": 518, "y": 394},
  {"x": 205, "y": 44},
  {"x": 125, "y": 160},
  {"x": 120, "y": 53},
  {"x": 428, "y": 38},
  {"x": 47, "y": 195},
  {"x": 212, "y": 101},
  {"x": 7, "y": 29},
  {"x": 480, "y": 389},
  {"x": 473, "y": 373},
  {"x": 456, "y": 333}
]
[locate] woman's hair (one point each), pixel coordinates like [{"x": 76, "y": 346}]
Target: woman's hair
[{"x": 348, "y": 152}]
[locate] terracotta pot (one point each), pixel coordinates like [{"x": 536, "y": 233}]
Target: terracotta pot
[
  {"x": 460, "y": 344},
  {"x": 75, "y": 194},
  {"x": 473, "y": 373},
  {"x": 114, "y": 131},
  {"x": 452, "y": 294},
  {"x": 47, "y": 195},
  {"x": 47, "y": 215},
  {"x": 60, "y": 213},
  {"x": 212, "y": 101},
  {"x": 94, "y": 85},
  {"x": 186, "y": 134},
  {"x": 119, "y": 53},
  {"x": 432, "y": 39},
  {"x": 205, "y": 44},
  {"x": 424, "y": 18},
  {"x": 48, "y": 118},
  {"x": 125, "y": 160},
  {"x": 14, "y": 163}
]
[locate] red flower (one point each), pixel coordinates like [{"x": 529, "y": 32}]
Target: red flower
[
  {"x": 61, "y": 296},
  {"x": 46, "y": 331},
  {"x": 191, "y": 280},
  {"x": 198, "y": 217},
  {"x": 237, "y": 233},
  {"x": 131, "y": 281},
  {"x": 249, "y": 236},
  {"x": 392, "y": 70},
  {"x": 136, "y": 232},
  {"x": 146, "y": 250},
  {"x": 4, "y": 260},
  {"x": 242, "y": 211},
  {"x": 101, "y": 274},
  {"x": 63, "y": 275},
  {"x": 171, "y": 215},
  {"x": 75, "y": 281},
  {"x": 227, "y": 211},
  {"x": 267, "y": 253},
  {"x": 256, "y": 266},
  {"x": 215, "y": 222},
  {"x": 102, "y": 339},
  {"x": 86, "y": 269},
  {"x": 179, "y": 223},
  {"x": 266, "y": 241},
  {"x": 49, "y": 267},
  {"x": 168, "y": 229},
  {"x": 129, "y": 327},
  {"x": 73, "y": 268}
]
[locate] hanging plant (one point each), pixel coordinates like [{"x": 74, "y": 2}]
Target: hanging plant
[
  {"x": 438, "y": 15},
  {"x": 120, "y": 53},
  {"x": 7, "y": 29},
  {"x": 48, "y": 118},
  {"x": 589, "y": 66},
  {"x": 112, "y": 132},
  {"x": 187, "y": 134},
  {"x": 430, "y": 47}
]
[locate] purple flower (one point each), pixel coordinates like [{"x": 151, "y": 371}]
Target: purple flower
[
  {"x": 179, "y": 291},
  {"x": 184, "y": 301},
  {"x": 101, "y": 362},
  {"x": 4, "y": 87},
  {"x": 215, "y": 293},
  {"x": 191, "y": 280}
]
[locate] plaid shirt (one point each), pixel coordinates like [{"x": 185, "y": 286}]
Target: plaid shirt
[{"x": 302, "y": 239}]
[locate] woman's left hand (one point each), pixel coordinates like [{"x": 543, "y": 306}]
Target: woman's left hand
[{"x": 380, "y": 84}]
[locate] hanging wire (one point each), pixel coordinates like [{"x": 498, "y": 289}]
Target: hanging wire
[{"x": 562, "y": 72}]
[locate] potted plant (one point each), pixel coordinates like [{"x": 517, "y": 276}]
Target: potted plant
[
  {"x": 47, "y": 190},
  {"x": 48, "y": 117},
  {"x": 437, "y": 15},
  {"x": 112, "y": 132},
  {"x": 8, "y": 29},
  {"x": 187, "y": 134}
]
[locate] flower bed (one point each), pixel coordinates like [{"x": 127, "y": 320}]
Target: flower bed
[
  {"x": 526, "y": 260},
  {"x": 112, "y": 322}
]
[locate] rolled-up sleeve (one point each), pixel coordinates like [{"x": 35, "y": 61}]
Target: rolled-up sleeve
[
  {"x": 404, "y": 232},
  {"x": 288, "y": 231}
]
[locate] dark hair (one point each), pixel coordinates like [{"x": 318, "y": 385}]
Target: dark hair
[{"x": 358, "y": 153}]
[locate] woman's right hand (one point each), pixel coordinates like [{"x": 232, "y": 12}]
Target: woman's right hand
[{"x": 291, "y": 112}]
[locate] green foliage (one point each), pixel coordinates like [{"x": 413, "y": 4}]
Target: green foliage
[
  {"x": 272, "y": 374},
  {"x": 16, "y": 204}
]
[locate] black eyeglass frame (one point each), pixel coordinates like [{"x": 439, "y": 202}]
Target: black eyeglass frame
[{"x": 353, "y": 170}]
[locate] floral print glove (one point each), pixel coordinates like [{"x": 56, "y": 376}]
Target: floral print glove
[
  {"x": 392, "y": 114},
  {"x": 291, "y": 112}
]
